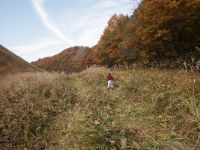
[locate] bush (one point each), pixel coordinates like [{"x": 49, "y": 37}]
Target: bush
[{"x": 28, "y": 104}]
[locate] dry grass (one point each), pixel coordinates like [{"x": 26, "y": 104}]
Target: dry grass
[
  {"x": 150, "y": 105},
  {"x": 29, "y": 103},
  {"x": 150, "y": 110},
  {"x": 12, "y": 64}
]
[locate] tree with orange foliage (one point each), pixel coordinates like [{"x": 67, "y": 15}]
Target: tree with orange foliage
[
  {"x": 158, "y": 29},
  {"x": 107, "y": 50},
  {"x": 164, "y": 28}
]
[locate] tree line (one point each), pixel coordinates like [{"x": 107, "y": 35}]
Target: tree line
[{"x": 157, "y": 30}]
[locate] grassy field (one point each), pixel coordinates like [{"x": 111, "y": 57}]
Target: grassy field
[{"x": 149, "y": 110}]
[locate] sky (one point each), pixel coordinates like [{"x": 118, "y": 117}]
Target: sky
[{"x": 34, "y": 29}]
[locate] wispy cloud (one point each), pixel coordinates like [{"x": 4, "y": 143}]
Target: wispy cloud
[
  {"x": 83, "y": 28},
  {"x": 38, "y": 49},
  {"x": 37, "y": 46},
  {"x": 90, "y": 23},
  {"x": 38, "y": 5}
]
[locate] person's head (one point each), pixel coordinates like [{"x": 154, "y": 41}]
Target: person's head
[{"x": 110, "y": 74}]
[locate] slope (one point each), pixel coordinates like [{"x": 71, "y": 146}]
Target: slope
[
  {"x": 151, "y": 109},
  {"x": 10, "y": 63},
  {"x": 69, "y": 60}
]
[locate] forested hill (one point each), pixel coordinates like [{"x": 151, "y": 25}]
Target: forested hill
[
  {"x": 157, "y": 30},
  {"x": 72, "y": 59},
  {"x": 165, "y": 33}
]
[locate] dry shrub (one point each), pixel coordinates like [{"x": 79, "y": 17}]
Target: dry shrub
[
  {"x": 28, "y": 104},
  {"x": 151, "y": 109},
  {"x": 155, "y": 108}
]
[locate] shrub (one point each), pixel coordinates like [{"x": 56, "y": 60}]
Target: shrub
[{"x": 28, "y": 104}]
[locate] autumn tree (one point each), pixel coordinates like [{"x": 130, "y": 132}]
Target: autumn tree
[
  {"x": 157, "y": 29},
  {"x": 164, "y": 28},
  {"x": 107, "y": 50}
]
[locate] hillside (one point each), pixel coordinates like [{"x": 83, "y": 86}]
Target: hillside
[
  {"x": 69, "y": 60},
  {"x": 10, "y": 63},
  {"x": 150, "y": 110},
  {"x": 159, "y": 34},
  {"x": 155, "y": 105}
]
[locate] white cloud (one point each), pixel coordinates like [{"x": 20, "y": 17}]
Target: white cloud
[
  {"x": 88, "y": 25},
  {"x": 83, "y": 27},
  {"x": 105, "y": 4},
  {"x": 41, "y": 48},
  {"x": 38, "y": 5},
  {"x": 35, "y": 47}
]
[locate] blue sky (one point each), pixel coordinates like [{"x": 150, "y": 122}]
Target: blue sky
[{"x": 35, "y": 29}]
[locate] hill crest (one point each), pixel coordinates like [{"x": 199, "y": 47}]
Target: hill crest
[
  {"x": 69, "y": 60},
  {"x": 11, "y": 63}
]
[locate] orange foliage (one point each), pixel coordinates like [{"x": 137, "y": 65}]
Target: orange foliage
[
  {"x": 157, "y": 30},
  {"x": 72, "y": 59}
]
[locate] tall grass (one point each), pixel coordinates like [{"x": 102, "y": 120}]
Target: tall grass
[
  {"x": 149, "y": 110},
  {"x": 28, "y": 104}
]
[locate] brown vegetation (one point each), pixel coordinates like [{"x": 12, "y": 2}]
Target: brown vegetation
[
  {"x": 10, "y": 63},
  {"x": 69, "y": 60},
  {"x": 157, "y": 30},
  {"x": 29, "y": 103},
  {"x": 161, "y": 32},
  {"x": 150, "y": 109}
]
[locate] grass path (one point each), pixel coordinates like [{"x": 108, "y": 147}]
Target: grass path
[
  {"x": 68, "y": 120},
  {"x": 150, "y": 110},
  {"x": 137, "y": 115}
]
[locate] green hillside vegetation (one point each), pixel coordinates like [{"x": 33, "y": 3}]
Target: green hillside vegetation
[{"x": 151, "y": 109}]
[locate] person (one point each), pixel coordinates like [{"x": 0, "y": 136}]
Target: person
[{"x": 110, "y": 80}]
